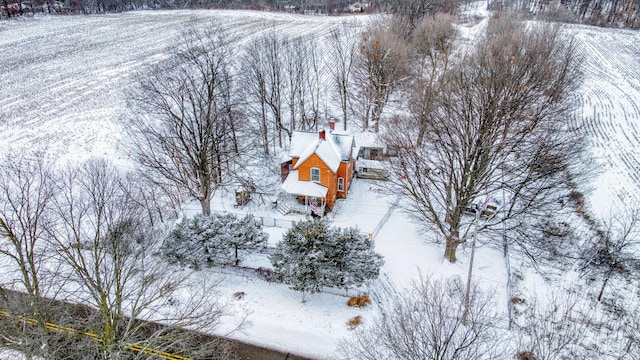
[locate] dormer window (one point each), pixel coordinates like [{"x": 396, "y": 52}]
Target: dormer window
[{"x": 315, "y": 174}]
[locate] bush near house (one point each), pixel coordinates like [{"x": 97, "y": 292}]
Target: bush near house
[{"x": 214, "y": 240}]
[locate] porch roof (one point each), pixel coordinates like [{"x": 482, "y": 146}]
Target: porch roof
[{"x": 293, "y": 185}]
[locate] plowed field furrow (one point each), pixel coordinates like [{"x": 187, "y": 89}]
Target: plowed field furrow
[
  {"x": 611, "y": 93},
  {"x": 632, "y": 164},
  {"x": 64, "y": 80}
]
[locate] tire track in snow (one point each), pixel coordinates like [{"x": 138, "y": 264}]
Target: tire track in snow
[{"x": 608, "y": 109}]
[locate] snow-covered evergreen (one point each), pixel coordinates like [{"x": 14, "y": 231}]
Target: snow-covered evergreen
[
  {"x": 240, "y": 234},
  {"x": 353, "y": 258},
  {"x": 214, "y": 240},
  {"x": 313, "y": 255}
]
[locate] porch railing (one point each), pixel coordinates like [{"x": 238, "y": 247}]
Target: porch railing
[{"x": 292, "y": 205}]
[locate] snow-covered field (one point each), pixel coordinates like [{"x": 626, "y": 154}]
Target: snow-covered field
[
  {"x": 63, "y": 80},
  {"x": 609, "y": 112},
  {"x": 63, "y": 84}
]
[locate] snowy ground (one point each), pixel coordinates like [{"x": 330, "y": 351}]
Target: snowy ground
[
  {"x": 279, "y": 319},
  {"x": 63, "y": 84},
  {"x": 609, "y": 112}
]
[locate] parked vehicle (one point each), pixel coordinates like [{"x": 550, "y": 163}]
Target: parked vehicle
[{"x": 486, "y": 209}]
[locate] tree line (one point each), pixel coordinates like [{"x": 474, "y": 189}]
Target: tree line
[
  {"x": 12, "y": 8},
  {"x": 614, "y": 13}
]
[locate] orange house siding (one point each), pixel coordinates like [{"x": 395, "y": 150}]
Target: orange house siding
[
  {"x": 345, "y": 171},
  {"x": 328, "y": 179}
]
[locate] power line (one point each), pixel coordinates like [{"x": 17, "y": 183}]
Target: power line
[{"x": 63, "y": 329}]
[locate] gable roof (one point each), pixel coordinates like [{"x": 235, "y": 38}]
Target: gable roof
[
  {"x": 293, "y": 185},
  {"x": 332, "y": 150},
  {"x": 344, "y": 143}
]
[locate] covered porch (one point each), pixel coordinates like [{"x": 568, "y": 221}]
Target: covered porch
[{"x": 303, "y": 197}]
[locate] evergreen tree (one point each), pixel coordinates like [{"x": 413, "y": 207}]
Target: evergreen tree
[
  {"x": 241, "y": 234},
  {"x": 313, "y": 255},
  {"x": 354, "y": 259},
  {"x": 298, "y": 258},
  {"x": 213, "y": 240}
]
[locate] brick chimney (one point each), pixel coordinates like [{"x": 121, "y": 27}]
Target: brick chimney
[
  {"x": 332, "y": 124},
  {"x": 322, "y": 135}
]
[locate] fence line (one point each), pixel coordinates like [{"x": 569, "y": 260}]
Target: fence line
[
  {"x": 385, "y": 218},
  {"x": 266, "y": 221}
]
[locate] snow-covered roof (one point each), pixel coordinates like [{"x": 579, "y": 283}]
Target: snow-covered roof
[
  {"x": 331, "y": 150},
  {"x": 293, "y": 185},
  {"x": 325, "y": 151},
  {"x": 300, "y": 141},
  {"x": 368, "y": 140},
  {"x": 344, "y": 143},
  {"x": 372, "y": 164}
]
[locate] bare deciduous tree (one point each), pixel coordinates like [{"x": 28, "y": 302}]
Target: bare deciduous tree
[
  {"x": 254, "y": 81},
  {"x": 282, "y": 77},
  {"x": 627, "y": 341},
  {"x": 182, "y": 121},
  {"x": 106, "y": 243},
  {"x": 264, "y": 75},
  {"x": 557, "y": 327},
  {"x": 27, "y": 189},
  {"x": 381, "y": 66},
  {"x": 426, "y": 323},
  {"x": 302, "y": 68},
  {"x": 409, "y": 13},
  {"x": 499, "y": 125},
  {"x": 344, "y": 42},
  {"x": 615, "y": 248},
  {"x": 433, "y": 42}
]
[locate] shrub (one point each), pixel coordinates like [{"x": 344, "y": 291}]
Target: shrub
[
  {"x": 353, "y": 323},
  {"x": 265, "y": 274},
  {"x": 359, "y": 301},
  {"x": 525, "y": 355}
]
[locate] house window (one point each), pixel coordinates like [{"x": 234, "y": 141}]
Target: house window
[
  {"x": 315, "y": 174},
  {"x": 340, "y": 184},
  {"x": 364, "y": 170}
]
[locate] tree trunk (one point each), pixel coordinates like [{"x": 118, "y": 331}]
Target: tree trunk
[
  {"x": 344, "y": 105},
  {"x": 604, "y": 284},
  {"x": 450, "y": 248},
  {"x": 205, "y": 203}
]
